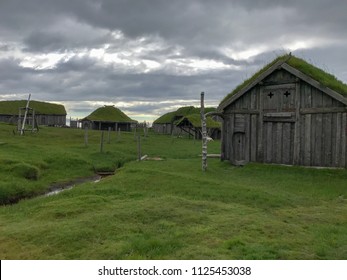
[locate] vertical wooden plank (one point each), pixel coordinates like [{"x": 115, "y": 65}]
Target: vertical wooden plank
[
  {"x": 253, "y": 99},
  {"x": 274, "y": 142},
  {"x": 292, "y": 128},
  {"x": 327, "y": 144},
  {"x": 247, "y": 147},
  {"x": 338, "y": 149},
  {"x": 231, "y": 144},
  {"x": 269, "y": 142},
  {"x": 318, "y": 141},
  {"x": 260, "y": 154},
  {"x": 313, "y": 137},
  {"x": 302, "y": 137},
  {"x": 296, "y": 148},
  {"x": 253, "y": 138},
  {"x": 308, "y": 144},
  {"x": 286, "y": 144},
  {"x": 333, "y": 139},
  {"x": 343, "y": 162},
  {"x": 308, "y": 99},
  {"x": 279, "y": 138}
]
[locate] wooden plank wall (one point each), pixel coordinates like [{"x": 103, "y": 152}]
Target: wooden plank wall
[{"x": 321, "y": 133}]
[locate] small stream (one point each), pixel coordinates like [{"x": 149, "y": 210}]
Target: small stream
[{"x": 55, "y": 189}]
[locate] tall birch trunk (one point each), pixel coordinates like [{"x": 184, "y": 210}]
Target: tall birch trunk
[{"x": 204, "y": 134}]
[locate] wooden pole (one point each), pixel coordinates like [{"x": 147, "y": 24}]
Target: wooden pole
[
  {"x": 86, "y": 136},
  {"x": 118, "y": 135},
  {"x": 25, "y": 115},
  {"x": 108, "y": 137},
  {"x": 139, "y": 147},
  {"x": 204, "y": 133},
  {"x": 102, "y": 142}
]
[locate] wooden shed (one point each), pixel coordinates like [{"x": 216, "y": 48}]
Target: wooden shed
[
  {"x": 107, "y": 117},
  {"x": 45, "y": 113},
  {"x": 166, "y": 124},
  {"x": 290, "y": 112},
  {"x": 191, "y": 124}
]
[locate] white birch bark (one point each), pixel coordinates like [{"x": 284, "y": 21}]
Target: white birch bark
[{"x": 203, "y": 134}]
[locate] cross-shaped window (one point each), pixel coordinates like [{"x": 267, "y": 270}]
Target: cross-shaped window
[
  {"x": 270, "y": 94},
  {"x": 287, "y": 93}
]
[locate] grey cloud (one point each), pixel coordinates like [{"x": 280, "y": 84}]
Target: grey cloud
[{"x": 158, "y": 31}]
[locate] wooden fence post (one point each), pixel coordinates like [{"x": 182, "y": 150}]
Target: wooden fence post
[
  {"x": 86, "y": 136},
  {"x": 109, "y": 132},
  {"x": 102, "y": 142},
  {"x": 204, "y": 134},
  {"x": 139, "y": 147},
  {"x": 118, "y": 134}
]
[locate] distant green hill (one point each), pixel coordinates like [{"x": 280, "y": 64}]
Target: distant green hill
[
  {"x": 108, "y": 114},
  {"x": 44, "y": 108}
]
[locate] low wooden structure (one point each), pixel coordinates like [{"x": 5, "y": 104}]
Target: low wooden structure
[
  {"x": 46, "y": 113},
  {"x": 290, "y": 112},
  {"x": 167, "y": 123},
  {"x": 108, "y": 117},
  {"x": 191, "y": 125}
]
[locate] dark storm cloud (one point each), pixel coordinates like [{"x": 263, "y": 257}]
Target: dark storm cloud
[{"x": 154, "y": 50}]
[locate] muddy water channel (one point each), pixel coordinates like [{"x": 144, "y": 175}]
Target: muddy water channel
[{"x": 55, "y": 189}]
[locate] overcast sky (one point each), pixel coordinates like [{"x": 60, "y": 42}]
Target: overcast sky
[{"x": 148, "y": 57}]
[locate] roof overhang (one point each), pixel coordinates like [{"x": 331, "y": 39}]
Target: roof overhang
[{"x": 282, "y": 65}]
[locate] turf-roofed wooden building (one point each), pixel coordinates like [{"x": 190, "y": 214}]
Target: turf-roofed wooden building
[
  {"x": 107, "y": 117},
  {"x": 191, "y": 124},
  {"x": 290, "y": 112},
  {"x": 168, "y": 123},
  {"x": 45, "y": 113}
]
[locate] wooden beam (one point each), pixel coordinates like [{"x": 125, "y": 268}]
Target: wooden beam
[
  {"x": 315, "y": 83},
  {"x": 323, "y": 110},
  {"x": 250, "y": 85},
  {"x": 296, "y": 148}
]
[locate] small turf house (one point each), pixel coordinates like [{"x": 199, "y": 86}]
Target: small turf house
[
  {"x": 290, "y": 112},
  {"x": 45, "y": 113},
  {"x": 107, "y": 117},
  {"x": 185, "y": 121},
  {"x": 191, "y": 124}
]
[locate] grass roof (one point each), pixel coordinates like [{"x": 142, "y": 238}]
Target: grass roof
[
  {"x": 181, "y": 112},
  {"x": 108, "y": 114},
  {"x": 195, "y": 120},
  {"x": 45, "y": 108},
  {"x": 324, "y": 78}
]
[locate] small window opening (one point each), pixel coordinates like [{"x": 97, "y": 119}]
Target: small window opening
[
  {"x": 287, "y": 93},
  {"x": 270, "y": 94}
]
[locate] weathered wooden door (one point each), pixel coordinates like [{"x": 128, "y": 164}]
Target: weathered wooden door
[
  {"x": 239, "y": 143},
  {"x": 278, "y": 142},
  {"x": 239, "y": 147},
  {"x": 278, "y": 123}
]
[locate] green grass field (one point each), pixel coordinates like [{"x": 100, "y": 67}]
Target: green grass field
[{"x": 164, "y": 209}]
